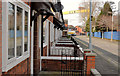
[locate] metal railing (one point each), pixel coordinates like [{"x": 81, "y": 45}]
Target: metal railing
[
  {"x": 72, "y": 59},
  {"x": 72, "y": 65}
]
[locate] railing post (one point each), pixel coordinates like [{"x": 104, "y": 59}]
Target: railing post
[{"x": 90, "y": 62}]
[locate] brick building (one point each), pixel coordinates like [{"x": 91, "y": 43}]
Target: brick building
[
  {"x": 65, "y": 28},
  {"x": 15, "y": 40},
  {"x": 20, "y": 35},
  {"x": 79, "y": 29},
  {"x": 31, "y": 40}
]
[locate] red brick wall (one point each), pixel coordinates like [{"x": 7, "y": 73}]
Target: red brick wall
[
  {"x": 36, "y": 47},
  {"x": 55, "y": 65},
  {"x": 0, "y": 37},
  {"x": 90, "y": 64},
  {"x": 45, "y": 51},
  {"x": 64, "y": 45},
  {"x": 36, "y": 51},
  {"x": 27, "y": 2},
  {"x": 22, "y": 68},
  {"x": 50, "y": 18}
]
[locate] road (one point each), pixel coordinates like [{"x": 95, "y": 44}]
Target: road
[{"x": 107, "y": 54}]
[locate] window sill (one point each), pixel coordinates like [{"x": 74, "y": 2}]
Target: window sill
[
  {"x": 44, "y": 45},
  {"x": 15, "y": 61}
]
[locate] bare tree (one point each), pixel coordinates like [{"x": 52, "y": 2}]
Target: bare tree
[
  {"x": 105, "y": 18},
  {"x": 96, "y": 7}
]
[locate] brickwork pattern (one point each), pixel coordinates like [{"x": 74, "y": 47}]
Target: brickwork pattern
[
  {"x": 51, "y": 18},
  {"x": 64, "y": 45},
  {"x": 56, "y": 65},
  {"x": 45, "y": 51},
  {"x": 90, "y": 64},
  {"x": 36, "y": 58},
  {"x": 22, "y": 68}
]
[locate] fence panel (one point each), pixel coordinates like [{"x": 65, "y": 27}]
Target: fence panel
[
  {"x": 116, "y": 35},
  {"x": 107, "y": 35},
  {"x": 88, "y": 33},
  {"x": 97, "y": 34}
]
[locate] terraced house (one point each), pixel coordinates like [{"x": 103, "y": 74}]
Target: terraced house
[{"x": 31, "y": 40}]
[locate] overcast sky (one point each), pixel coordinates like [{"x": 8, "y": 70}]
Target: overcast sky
[{"x": 75, "y": 19}]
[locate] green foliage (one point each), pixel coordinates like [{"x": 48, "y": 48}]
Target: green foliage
[
  {"x": 68, "y": 36},
  {"x": 106, "y": 11},
  {"x": 87, "y": 28}
]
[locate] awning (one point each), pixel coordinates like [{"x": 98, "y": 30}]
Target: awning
[
  {"x": 43, "y": 7},
  {"x": 57, "y": 23},
  {"x": 59, "y": 7}
]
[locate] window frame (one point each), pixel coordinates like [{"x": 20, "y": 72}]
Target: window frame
[
  {"x": 46, "y": 32},
  {"x": 7, "y": 64},
  {"x": 51, "y": 32}
]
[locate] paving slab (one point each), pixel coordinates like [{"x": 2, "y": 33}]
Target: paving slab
[{"x": 106, "y": 59}]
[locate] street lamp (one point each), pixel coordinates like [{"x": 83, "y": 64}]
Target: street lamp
[
  {"x": 112, "y": 6},
  {"x": 90, "y": 37}
]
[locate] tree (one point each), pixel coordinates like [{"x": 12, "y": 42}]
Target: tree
[
  {"x": 105, "y": 18},
  {"x": 96, "y": 7},
  {"x": 87, "y": 28}
]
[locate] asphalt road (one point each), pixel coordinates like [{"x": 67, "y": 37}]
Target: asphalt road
[{"x": 107, "y": 54}]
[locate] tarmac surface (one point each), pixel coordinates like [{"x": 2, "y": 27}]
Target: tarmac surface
[{"x": 107, "y": 59}]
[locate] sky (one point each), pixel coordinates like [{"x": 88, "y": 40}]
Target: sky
[{"x": 76, "y": 19}]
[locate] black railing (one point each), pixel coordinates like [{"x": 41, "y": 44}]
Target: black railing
[
  {"x": 72, "y": 59},
  {"x": 72, "y": 65}
]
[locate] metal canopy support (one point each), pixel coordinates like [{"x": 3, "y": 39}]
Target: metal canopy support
[
  {"x": 46, "y": 17},
  {"x": 42, "y": 20},
  {"x": 58, "y": 24}
]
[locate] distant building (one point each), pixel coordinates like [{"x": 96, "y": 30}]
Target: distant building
[
  {"x": 79, "y": 29},
  {"x": 65, "y": 28}
]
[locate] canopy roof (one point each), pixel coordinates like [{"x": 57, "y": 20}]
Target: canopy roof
[{"x": 44, "y": 8}]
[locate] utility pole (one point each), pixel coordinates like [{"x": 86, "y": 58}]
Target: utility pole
[{"x": 90, "y": 37}]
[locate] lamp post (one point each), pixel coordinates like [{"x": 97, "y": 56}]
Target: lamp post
[
  {"x": 90, "y": 37},
  {"x": 112, "y": 28},
  {"x": 112, "y": 6}
]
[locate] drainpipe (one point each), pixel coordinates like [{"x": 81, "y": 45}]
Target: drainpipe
[{"x": 41, "y": 35}]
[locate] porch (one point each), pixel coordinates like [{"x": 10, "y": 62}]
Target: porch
[{"x": 66, "y": 57}]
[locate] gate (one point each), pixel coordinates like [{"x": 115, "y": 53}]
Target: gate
[{"x": 72, "y": 64}]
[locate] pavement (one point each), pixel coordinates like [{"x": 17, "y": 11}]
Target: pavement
[{"x": 107, "y": 54}]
